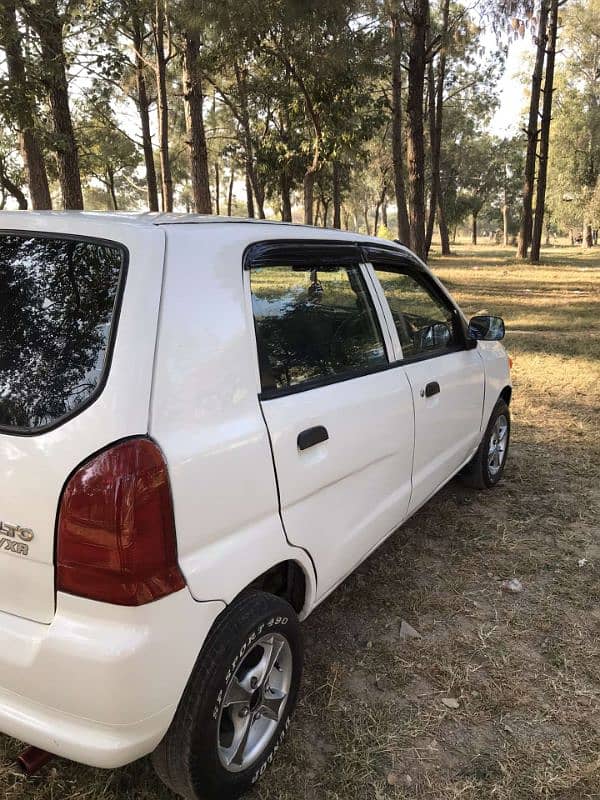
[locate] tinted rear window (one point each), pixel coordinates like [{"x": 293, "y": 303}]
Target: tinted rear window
[{"x": 58, "y": 300}]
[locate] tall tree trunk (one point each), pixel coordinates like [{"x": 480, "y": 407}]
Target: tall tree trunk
[
  {"x": 337, "y": 195},
  {"x": 436, "y": 131},
  {"x": 532, "y": 135},
  {"x": 317, "y": 211},
  {"x": 505, "y": 217},
  {"x": 163, "y": 105},
  {"x": 397, "y": 143},
  {"x": 384, "y": 214},
  {"x": 48, "y": 24},
  {"x": 325, "y": 213},
  {"x": 443, "y": 225},
  {"x": 193, "y": 101},
  {"x": 419, "y": 20},
  {"x": 143, "y": 105},
  {"x": 244, "y": 120},
  {"x": 433, "y": 193},
  {"x": 249, "y": 194},
  {"x": 110, "y": 181},
  {"x": 588, "y": 236},
  {"x": 309, "y": 191},
  {"x": 217, "y": 189},
  {"x": 474, "y": 227},
  {"x": 366, "y": 216},
  {"x": 230, "y": 193},
  {"x": 286, "y": 204},
  {"x": 540, "y": 199},
  {"x": 378, "y": 208},
  {"x": 22, "y": 108}
]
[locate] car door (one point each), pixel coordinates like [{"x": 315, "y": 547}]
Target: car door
[
  {"x": 340, "y": 421},
  {"x": 444, "y": 370}
]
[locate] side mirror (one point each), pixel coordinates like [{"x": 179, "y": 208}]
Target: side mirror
[{"x": 489, "y": 329}]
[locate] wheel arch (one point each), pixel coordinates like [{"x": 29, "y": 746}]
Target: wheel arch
[
  {"x": 506, "y": 394},
  {"x": 289, "y": 580}
]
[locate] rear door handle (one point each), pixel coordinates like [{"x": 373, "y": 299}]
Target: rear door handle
[
  {"x": 312, "y": 436},
  {"x": 432, "y": 388}
]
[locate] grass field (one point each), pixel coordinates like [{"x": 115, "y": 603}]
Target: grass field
[{"x": 524, "y": 668}]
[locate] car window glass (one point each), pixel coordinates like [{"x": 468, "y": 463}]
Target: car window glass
[
  {"x": 313, "y": 324},
  {"x": 57, "y": 301},
  {"x": 423, "y": 322}
]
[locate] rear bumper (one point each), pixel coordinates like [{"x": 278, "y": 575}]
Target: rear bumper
[
  {"x": 105, "y": 746},
  {"x": 101, "y": 683}
]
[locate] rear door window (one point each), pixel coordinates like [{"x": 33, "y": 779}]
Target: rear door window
[
  {"x": 314, "y": 324},
  {"x": 59, "y": 301}
]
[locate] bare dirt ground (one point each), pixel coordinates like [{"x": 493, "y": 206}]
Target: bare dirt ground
[{"x": 500, "y": 697}]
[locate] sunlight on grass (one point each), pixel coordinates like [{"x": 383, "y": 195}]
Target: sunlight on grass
[{"x": 552, "y": 315}]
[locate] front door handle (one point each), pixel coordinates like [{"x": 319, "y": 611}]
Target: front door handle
[
  {"x": 432, "y": 388},
  {"x": 312, "y": 436}
]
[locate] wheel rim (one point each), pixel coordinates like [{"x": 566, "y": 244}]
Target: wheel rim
[
  {"x": 254, "y": 702},
  {"x": 497, "y": 446}
]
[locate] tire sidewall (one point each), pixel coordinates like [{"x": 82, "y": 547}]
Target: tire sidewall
[
  {"x": 501, "y": 409},
  {"x": 209, "y": 776}
]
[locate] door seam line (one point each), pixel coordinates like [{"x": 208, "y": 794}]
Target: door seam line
[{"x": 279, "y": 510}]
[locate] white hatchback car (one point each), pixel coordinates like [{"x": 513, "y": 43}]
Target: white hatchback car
[{"x": 205, "y": 425}]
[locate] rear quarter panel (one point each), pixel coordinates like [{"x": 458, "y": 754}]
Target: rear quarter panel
[
  {"x": 34, "y": 468},
  {"x": 206, "y": 417}
]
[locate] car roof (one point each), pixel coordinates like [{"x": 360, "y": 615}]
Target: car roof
[{"x": 147, "y": 218}]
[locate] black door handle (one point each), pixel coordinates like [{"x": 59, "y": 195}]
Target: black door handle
[
  {"x": 312, "y": 436},
  {"x": 432, "y": 388}
]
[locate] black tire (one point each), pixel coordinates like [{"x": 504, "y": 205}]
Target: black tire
[
  {"x": 478, "y": 473},
  {"x": 188, "y": 759}
]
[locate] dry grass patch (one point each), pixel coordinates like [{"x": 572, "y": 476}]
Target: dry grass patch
[{"x": 525, "y": 668}]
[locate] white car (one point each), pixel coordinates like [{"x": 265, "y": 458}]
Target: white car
[{"x": 205, "y": 425}]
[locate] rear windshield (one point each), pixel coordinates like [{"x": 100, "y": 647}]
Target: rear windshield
[{"x": 57, "y": 306}]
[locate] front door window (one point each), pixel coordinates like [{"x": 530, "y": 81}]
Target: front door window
[{"x": 425, "y": 325}]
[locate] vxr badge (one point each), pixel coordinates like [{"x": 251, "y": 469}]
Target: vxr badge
[{"x": 15, "y": 539}]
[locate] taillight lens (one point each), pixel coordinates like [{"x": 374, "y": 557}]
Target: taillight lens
[{"x": 116, "y": 530}]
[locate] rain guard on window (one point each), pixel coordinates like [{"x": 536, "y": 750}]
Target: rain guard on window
[{"x": 58, "y": 306}]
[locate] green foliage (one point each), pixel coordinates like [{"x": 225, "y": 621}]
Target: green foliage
[
  {"x": 293, "y": 87},
  {"x": 302, "y": 74},
  {"x": 574, "y": 164},
  {"x": 108, "y": 156}
]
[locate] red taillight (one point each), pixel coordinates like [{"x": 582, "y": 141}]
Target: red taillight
[{"x": 116, "y": 531}]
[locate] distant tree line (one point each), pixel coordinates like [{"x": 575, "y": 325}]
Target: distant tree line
[{"x": 367, "y": 114}]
